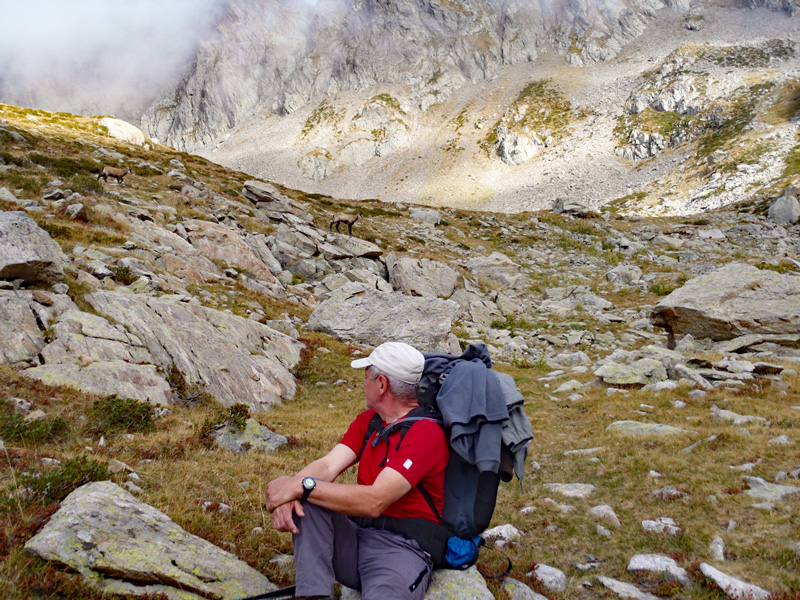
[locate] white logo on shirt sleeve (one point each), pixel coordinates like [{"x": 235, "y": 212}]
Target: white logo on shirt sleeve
[{"x": 408, "y": 464}]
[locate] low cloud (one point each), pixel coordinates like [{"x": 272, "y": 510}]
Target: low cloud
[{"x": 95, "y": 56}]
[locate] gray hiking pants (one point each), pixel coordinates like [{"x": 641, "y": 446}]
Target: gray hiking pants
[{"x": 382, "y": 564}]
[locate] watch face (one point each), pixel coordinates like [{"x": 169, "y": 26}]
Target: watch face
[{"x": 309, "y": 483}]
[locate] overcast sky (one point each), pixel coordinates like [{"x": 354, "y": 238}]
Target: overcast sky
[{"x": 97, "y": 56}]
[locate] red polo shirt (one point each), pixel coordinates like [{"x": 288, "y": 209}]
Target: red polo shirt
[{"x": 422, "y": 457}]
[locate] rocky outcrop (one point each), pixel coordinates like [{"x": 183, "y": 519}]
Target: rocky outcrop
[
  {"x": 421, "y": 277},
  {"x": 732, "y": 301},
  {"x": 253, "y": 368},
  {"x": 344, "y": 51},
  {"x": 122, "y": 130},
  {"x": 27, "y": 252},
  {"x": 98, "y": 354},
  {"x": 360, "y": 313},
  {"x": 105, "y": 534}
]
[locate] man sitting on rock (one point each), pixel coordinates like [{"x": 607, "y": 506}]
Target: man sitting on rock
[{"x": 349, "y": 533}]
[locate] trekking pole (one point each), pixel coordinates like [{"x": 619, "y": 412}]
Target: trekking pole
[{"x": 287, "y": 592}]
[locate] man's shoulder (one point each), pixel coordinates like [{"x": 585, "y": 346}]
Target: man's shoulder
[{"x": 429, "y": 428}]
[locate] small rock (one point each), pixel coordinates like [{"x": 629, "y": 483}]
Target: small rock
[
  {"x": 282, "y": 560},
  {"x": 781, "y": 440},
  {"x": 603, "y": 531},
  {"x": 36, "y": 415},
  {"x": 502, "y": 535},
  {"x": 132, "y": 487},
  {"x": 668, "y": 493},
  {"x": 660, "y": 564},
  {"x": 661, "y": 525},
  {"x": 517, "y": 590},
  {"x": 605, "y": 512},
  {"x": 717, "y": 549},
  {"x": 553, "y": 579},
  {"x": 625, "y": 590},
  {"x": 732, "y": 587},
  {"x": 571, "y": 490},
  {"x": 218, "y": 507},
  {"x": 765, "y": 490}
]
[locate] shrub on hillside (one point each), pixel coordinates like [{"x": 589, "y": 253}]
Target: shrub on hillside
[
  {"x": 55, "y": 485},
  {"x": 114, "y": 414},
  {"x": 15, "y": 428}
]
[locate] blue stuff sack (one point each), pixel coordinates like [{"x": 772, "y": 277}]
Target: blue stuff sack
[{"x": 462, "y": 553}]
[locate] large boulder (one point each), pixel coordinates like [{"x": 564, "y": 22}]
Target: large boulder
[
  {"x": 126, "y": 380},
  {"x": 24, "y": 317},
  {"x": 732, "y": 301},
  {"x": 122, "y": 130},
  {"x": 421, "y": 276},
  {"x": 447, "y": 584},
  {"x": 221, "y": 243},
  {"x": 21, "y": 339},
  {"x": 785, "y": 210},
  {"x": 27, "y": 252},
  {"x": 237, "y": 360},
  {"x": 123, "y": 546},
  {"x": 358, "y": 312},
  {"x": 498, "y": 269}
]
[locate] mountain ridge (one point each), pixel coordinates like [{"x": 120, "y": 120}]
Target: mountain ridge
[{"x": 476, "y": 142}]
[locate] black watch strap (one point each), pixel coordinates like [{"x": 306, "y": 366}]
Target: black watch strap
[{"x": 309, "y": 483}]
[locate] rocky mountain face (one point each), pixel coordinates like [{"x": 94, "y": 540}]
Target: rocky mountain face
[
  {"x": 270, "y": 56},
  {"x": 498, "y": 105}
]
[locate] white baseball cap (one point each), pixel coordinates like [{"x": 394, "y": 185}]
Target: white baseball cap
[{"x": 397, "y": 360}]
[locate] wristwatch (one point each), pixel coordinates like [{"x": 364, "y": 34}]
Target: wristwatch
[{"x": 309, "y": 483}]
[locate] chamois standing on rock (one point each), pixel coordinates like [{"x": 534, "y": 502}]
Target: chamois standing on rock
[
  {"x": 118, "y": 174},
  {"x": 349, "y": 220}
]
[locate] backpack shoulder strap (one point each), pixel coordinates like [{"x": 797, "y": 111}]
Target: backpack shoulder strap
[{"x": 374, "y": 425}]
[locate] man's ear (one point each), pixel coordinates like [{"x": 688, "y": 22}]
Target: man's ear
[{"x": 384, "y": 383}]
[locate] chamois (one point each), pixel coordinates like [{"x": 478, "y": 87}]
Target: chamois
[
  {"x": 118, "y": 174},
  {"x": 347, "y": 219}
]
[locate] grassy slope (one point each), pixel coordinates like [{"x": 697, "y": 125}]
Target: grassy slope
[{"x": 180, "y": 471}]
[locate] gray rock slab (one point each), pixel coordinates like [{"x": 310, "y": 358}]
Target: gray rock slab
[
  {"x": 358, "y": 312},
  {"x": 498, "y": 269},
  {"x": 773, "y": 492},
  {"x": 732, "y": 587},
  {"x": 447, "y": 584},
  {"x": 657, "y": 563},
  {"x": 640, "y": 372},
  {"x": 126, "y": 380},
  {"x": 664, "y": 525},
  {"x": 224, "y": 245},
  {"x": 421, "y": 276},
  {"x": 552, "y": 578},
  {"x": 254, "y": 436},
  {"x": 425, "y": 215},
  {"x": 517, "y": 590},
  {"x": 571, "y": 490},
  {"x": 735, "y": 418},
  {"x": 638, "y": 429},
  {"x": 21, "y": 338},
  {"x": 27, "y": 251},
  {"x": 732, "y": 301},
  {"x": 625, "y": 590},
  {"x": 254, "y": 368},
  {"x": 784, "y": 211},
  {"x": 350, "y": 247},
  {"x": 606, "y": 513},
  {"x": 123, "y": 546}
]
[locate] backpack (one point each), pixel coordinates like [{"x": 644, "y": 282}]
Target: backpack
[{"x": 470, "y": 493}]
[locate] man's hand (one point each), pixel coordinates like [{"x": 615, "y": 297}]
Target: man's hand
[
  {"x": 282, "y": 517},
  {"x": 283, "y": 490}
]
